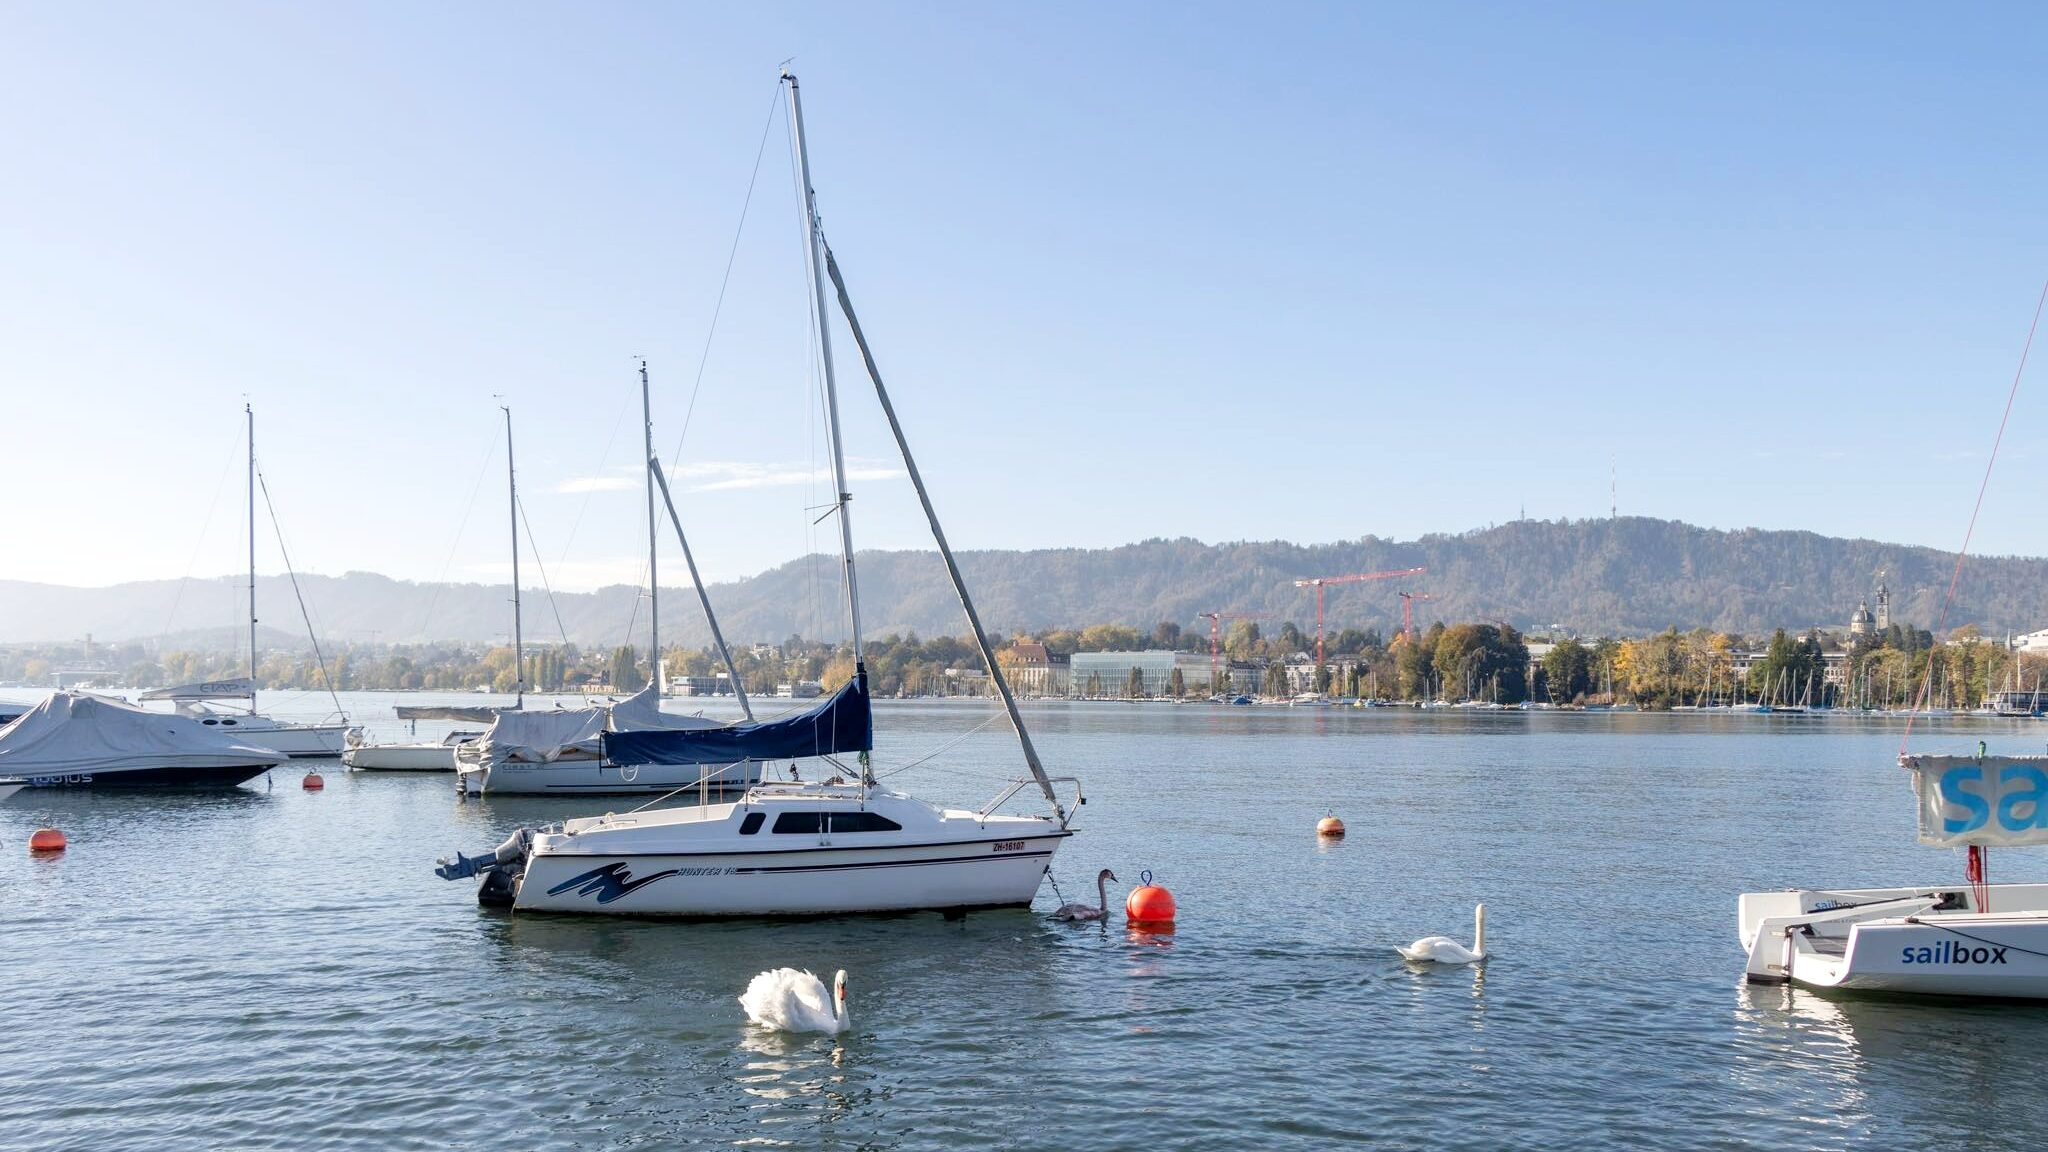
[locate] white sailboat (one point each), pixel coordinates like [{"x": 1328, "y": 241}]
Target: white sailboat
[
  {"x": 1969, "y": 939},
  {"x": 202, "y": 701},
  {"x": 440, "y": 755},
  {"x": 843, "y": 845},
  {"x": 563, "y": 753}
]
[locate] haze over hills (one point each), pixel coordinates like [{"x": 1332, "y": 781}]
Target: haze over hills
[{"x": 1593, "y": 577}]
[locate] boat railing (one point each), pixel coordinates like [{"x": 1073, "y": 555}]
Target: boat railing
[{"x": 1028, "y": 781}]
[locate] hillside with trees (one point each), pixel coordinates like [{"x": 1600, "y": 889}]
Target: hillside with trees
[{"x": 1631, "y": 576}]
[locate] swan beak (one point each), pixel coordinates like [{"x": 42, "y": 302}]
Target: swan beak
[{"x": 1112, "y": 876}]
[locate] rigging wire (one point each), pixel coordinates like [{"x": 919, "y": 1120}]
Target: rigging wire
[
  {"x": 725, "y": 281},
  {"x": 542, "y": 565},
  {"x": 440, "y": 582},
  {"x": 813, "y": 398},
  {"x": 603, "y": 460},
  {"x": 1955, "y": 577},
  {"x": 304, "y": 614},
  {"x": 234, "y": 451}
]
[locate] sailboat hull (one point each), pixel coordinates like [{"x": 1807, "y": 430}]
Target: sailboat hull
[
  {"x": 780, "y": 850},
  {"x": 587, "y": 776},
  {"x": 813, "y": 882}
]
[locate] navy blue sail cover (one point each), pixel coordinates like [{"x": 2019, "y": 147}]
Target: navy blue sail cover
[{"x": 841, "y": 723}]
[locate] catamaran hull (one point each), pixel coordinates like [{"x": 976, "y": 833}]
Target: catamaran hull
[
  {"x": 584, "y": 777},
  {"x": 801, "y": 882},
  {"x": 1851, "y": 941}
]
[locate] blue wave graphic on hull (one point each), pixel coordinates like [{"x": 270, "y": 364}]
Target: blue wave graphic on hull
[{"x": 609, "y": 882}]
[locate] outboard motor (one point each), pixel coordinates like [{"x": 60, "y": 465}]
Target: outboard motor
[{"x": 503, "y": 858}]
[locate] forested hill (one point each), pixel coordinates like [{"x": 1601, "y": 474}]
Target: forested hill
[{"x": 1593, "y": 577}]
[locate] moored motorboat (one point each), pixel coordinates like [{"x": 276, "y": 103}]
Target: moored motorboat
[
  {"x": 79, "y": 740},
  {"x": 1970, "y": 939}
]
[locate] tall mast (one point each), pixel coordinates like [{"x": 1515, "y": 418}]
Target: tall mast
[
  {"x": 518, "y": 642},
  {"x": 250, "y": 412},
  {"x": 653, "y": 579},
  {"x": 813, "y": 242}
]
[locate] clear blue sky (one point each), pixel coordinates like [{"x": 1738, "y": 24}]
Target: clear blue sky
[{"x": 1296, "y": 272}]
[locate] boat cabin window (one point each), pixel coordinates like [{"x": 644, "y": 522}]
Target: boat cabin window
[
  {"x": 817, "y": 823},
  {"x": 752, "y": 823}
]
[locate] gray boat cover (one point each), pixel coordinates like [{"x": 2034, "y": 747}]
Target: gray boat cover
[
  {"x": 542, "y": 737},
  {"x": 78, "y": 732}
]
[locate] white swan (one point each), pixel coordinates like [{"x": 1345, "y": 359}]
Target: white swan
[
  {"x": 1079, "y": 911},
  {"x": 1444, "y": 950},
  {"x": 792, "y": 1001}
]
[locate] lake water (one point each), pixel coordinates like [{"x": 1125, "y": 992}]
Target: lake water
[{"x": 271, "y": 968}]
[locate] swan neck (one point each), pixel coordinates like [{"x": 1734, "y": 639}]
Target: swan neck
[{"x": 1102, "y": 894}]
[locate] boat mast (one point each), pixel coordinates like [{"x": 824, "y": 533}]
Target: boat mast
[
  {"x": 653, "y": 579},
  {"x": 250, "y": 412},
  {"x": 814, "y": 242},
  {"x": 518, "y": 642}
]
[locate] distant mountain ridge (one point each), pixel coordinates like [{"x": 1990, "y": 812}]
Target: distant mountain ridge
[{"x": 1625, "y": 576}]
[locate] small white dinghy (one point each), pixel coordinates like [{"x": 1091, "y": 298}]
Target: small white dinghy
[
  {"x": 1969, "y": 939},
  {"x": 413, "y": 756}
]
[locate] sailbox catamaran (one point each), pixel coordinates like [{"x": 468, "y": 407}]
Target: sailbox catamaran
[{"x": 844, "y": 845}]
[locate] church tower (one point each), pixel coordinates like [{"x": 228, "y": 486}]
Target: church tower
[{"x": 1884, "y": 605}]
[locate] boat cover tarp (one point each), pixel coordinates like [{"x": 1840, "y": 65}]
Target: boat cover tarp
[
  {"x": 642, "y": 712},
  {"x": 842, "y": 722},
  {"x": 77, "y": 732},
  {"x": 543, "y": 737},
  {"x": 461, "y": 715},
  {"x": 238, "y": 688},
  {"x": 1992, "y": 801}
]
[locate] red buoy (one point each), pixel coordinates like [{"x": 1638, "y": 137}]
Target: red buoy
[
  {"x": 1149, "y": 904},
  {"x": 47, "y": 840},
  {"x": 313, "y": 782}
]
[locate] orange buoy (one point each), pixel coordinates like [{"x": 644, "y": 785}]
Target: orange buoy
[
  {"x": 1329, "y": 826},
  {"x": 313, "y": 782},
  {"x": 47, "y": 840},
  {"x": 1149, "y": 904}
]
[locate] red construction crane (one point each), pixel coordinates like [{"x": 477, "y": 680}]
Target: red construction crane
[
  {"x": 1215, "y": 619},
  {"x": 1356, "y": 578},
  {"x": 1408, "y": 600}
]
